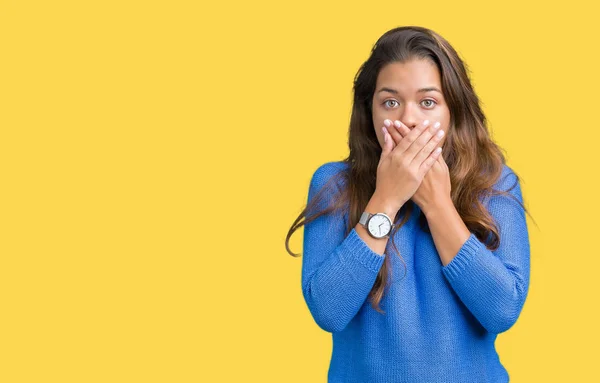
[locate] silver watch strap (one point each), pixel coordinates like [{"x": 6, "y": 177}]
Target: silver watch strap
[{"x": 364, "y": 218}]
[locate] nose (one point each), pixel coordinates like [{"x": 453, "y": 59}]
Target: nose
[{"x": 410, "y": 116}]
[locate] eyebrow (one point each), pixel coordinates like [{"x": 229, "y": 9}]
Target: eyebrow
[{"x": 422, "y": 90}]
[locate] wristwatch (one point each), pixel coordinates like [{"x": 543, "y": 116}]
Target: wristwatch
[{"x": 378, "y": 225}]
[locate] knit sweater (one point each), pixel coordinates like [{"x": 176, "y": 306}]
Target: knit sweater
[{"x": 440, "y": 322}]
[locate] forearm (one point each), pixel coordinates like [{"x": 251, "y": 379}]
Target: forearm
[
  {"x": 338, "y": 269},
  {"x": 336, "y": 281},
  {"x": 447, "y": 228},
  {"x": 492, "y": 285}
]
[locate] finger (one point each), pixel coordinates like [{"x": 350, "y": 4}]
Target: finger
[
  {"x": 430, "y": 161},
  {"x": 407, "y": 141},
  {"x": 402, "y": 129},
  {"x": 388, "y": 143},
  {"x": 396, "y": 137},
  {"x": 442, "y": 162},
  {"x": 422, "y": 147}
]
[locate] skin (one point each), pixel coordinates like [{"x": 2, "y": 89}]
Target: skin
[
  {"x": 409, "y": 106},
  {"x": 406, "y": 107}
]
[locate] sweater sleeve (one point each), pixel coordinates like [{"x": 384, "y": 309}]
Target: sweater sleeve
[
  {"x": 338, "y": 271},
  {"x": 493, "y": 285}
]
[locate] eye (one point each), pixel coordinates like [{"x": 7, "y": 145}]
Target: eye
[
  {"x": 386, "y": 102},
  {"x": 430, "y": 101},
  {"x": 429, "y": 106}
]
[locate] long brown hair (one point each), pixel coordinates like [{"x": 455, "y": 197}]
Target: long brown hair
[{"x": 475, "y": 162}]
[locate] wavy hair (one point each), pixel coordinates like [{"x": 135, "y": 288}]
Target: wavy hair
[{"x": 475, "y": 162}]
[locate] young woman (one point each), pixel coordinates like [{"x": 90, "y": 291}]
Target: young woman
[{"x": 452, "y": 221}]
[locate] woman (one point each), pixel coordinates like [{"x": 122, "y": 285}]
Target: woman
[{"x": 452, "y": 221}]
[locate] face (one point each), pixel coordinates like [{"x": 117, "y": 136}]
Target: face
[{"x": 399, "y": 95}]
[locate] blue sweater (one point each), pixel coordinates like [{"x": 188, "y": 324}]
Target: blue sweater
[{"x": 441, "y": 322}]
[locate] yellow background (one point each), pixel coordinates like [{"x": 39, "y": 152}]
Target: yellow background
[{"x": 154, "y": 154}]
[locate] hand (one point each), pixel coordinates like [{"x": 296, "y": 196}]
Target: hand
[
  {"x": 435, "y": 188},
  {"x": 404, "y": 163}
]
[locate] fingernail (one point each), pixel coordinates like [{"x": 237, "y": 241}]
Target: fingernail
[
  {"x": 387, "y": 122},
  {"x": 437, "y": 124},
  {"x": 397, "y": 123},
  {"x": 426, "y": 122}
]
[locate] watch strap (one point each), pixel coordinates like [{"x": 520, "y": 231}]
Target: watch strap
[{"x": 364, "y": 218}]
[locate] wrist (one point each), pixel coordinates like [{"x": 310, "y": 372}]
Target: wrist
[
  {"x": 378, "y": 204},
  {"x": 436, "y": 206}
]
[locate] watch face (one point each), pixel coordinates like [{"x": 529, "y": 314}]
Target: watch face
[{"x": 379, "y": 225}]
